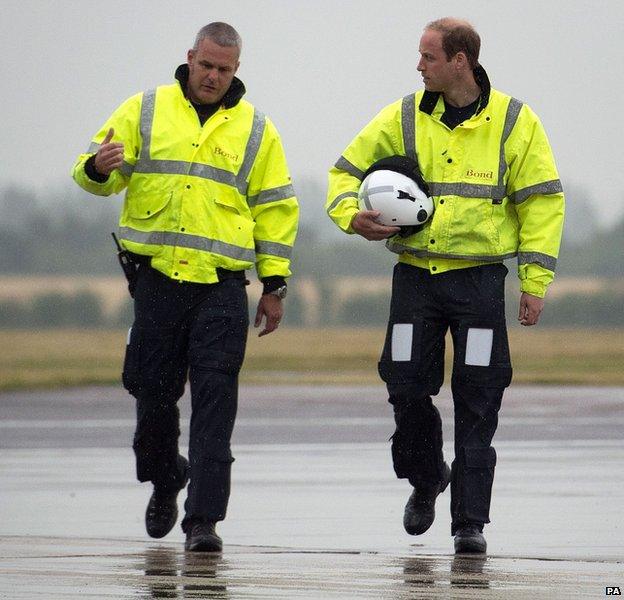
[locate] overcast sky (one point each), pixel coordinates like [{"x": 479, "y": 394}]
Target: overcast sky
[{"x": 319, "y": 69}]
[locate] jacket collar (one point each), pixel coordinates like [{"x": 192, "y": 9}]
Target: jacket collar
[
  {"x": 232, "y": 97},
  {"x": 430, "y": 99}
]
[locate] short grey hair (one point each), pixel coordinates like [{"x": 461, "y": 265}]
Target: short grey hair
[{"x": 221, "y": 34}]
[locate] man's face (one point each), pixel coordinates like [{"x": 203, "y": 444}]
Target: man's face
[
  {"x": 437, "y": 71},
  {"x": 211, "y": 70}
]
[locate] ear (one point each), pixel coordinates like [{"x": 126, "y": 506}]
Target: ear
[
  {"x": 189, "y": 56},
  {"x": 461, "y": 60}
]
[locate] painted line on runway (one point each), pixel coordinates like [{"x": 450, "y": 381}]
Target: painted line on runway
[{"x": 292, "y": 421}]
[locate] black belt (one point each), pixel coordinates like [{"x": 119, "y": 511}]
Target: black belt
[{"x": 222, "y": 274}]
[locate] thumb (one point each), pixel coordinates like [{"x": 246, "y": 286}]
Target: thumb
[{"x": 109, "y": 136}]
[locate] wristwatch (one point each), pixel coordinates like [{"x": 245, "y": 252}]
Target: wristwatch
[{"x": 280, "y": 292}]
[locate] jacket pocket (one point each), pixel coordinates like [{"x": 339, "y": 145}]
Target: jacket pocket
[
  {"x": 472, "y": 231},
  {"x": 146, "y": 206},
  {"x": 231, "y": 221}
]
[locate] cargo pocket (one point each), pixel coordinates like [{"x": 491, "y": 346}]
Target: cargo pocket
[
  {"x": 150, "y": 365},
  {"x": 476, "y": 483},
  {"x": 221, "y": 345}
]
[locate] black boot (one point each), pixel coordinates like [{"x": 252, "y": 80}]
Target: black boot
[
  {"x": 202, "y": 537},
  {"x": 420, "y": 508},
  {"x": 470, "y": 540},
  {"x": 162, "y": 509}
]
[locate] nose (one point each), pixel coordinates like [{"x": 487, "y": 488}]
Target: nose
[{"x": 420, "y": 67}]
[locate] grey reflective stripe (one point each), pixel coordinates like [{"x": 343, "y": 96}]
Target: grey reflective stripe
[
  {"x": 213, "y": 173},
  {"x": 344, "y": 165},
  {"x": 546, "y": 188},
  {"x": 126, "y": 169},
  {"x": 400, "y": 249},
  {"x": 180, "y": 167},
  {"x": 467, "y": 190},
  {"x": 513, "y": 110},
  {"x": 273, "y": 195},
  {"x": 339, "y": 199},
  {"x": 182, "y": 240},
  {"x": 146, "y": 122},
  {"x": 397, "y": 248},
  {"x": 408, "y": 125},
  {"x": 543, "y": 260},
  {"x": 93, "y": 148},
  {"x": 274, "y": 249},
  {"x": 168, "y": 167},
  {"x": 251, "y": 151}
]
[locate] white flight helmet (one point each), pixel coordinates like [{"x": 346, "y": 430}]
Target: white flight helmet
[{"x": 395, "y": 188}]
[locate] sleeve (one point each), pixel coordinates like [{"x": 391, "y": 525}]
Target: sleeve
[
  {"x": 537, "y": 195},
  {"x": 273, "y": 206},
  {"x": 379, "y": 139},
  {"x": 125, "y": 121}
]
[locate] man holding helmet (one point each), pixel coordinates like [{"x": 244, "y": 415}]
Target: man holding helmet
[{"x": 496, "y": 193}]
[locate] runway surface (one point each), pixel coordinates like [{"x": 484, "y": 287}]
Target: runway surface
[{"x": 315, "y": 509}]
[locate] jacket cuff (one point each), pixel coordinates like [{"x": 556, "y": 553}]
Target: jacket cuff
[
  {"x": 272, "y": 283},
  {"x": 533, "y": 287},
  {"x": 92, "y": 172}
]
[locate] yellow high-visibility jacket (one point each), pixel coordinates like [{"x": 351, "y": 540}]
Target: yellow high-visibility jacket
[
  {"x": 493, "y": 180},
  {"x": 199, "y": 197}
]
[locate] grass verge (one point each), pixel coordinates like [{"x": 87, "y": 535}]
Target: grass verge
[{"x": 70, "y": 357}]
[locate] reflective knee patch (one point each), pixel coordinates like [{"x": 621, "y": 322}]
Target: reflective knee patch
[
  {"x": 402, "y": 341},
  {"x": 482, "y": 355},
  {"x": 413, "y": 355},
  {"x": 479, "y": 346}
]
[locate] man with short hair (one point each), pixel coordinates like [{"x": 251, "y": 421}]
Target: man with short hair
[
  {"x": 208, "y": 195},
  {"x": 489, "y": 168}
]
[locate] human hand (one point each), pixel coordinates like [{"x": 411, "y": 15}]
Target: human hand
[
  {"x": 365, "y": 224},
  {"x": 110, "y": 155},
  {"x": 530, "y": 309},
  {"x": 271, "y": 308}
]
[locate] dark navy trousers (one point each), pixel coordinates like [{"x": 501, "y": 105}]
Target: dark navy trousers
[
  {"x": 187, "y": 331},
  {"x": 471, "y": 303}
]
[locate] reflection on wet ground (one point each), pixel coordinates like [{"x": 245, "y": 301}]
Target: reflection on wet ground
[
  {"x": 171, "y": 574},
  {"x": 57, "y": 569}
]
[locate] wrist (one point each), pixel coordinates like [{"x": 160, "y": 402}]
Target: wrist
[
  {"x": 274, "y": 285},
  {"x": 92, "y": 172}
]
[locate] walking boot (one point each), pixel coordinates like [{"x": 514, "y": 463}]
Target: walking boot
[
  {"x": 420, "y": 508},
  {"x": 162, "y": 509},
  {"x": 470, "y": 540},
  {"x": 202, "y": 537}
]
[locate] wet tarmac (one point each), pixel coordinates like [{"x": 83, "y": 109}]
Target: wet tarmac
[{"x": 315, "y": 509}]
